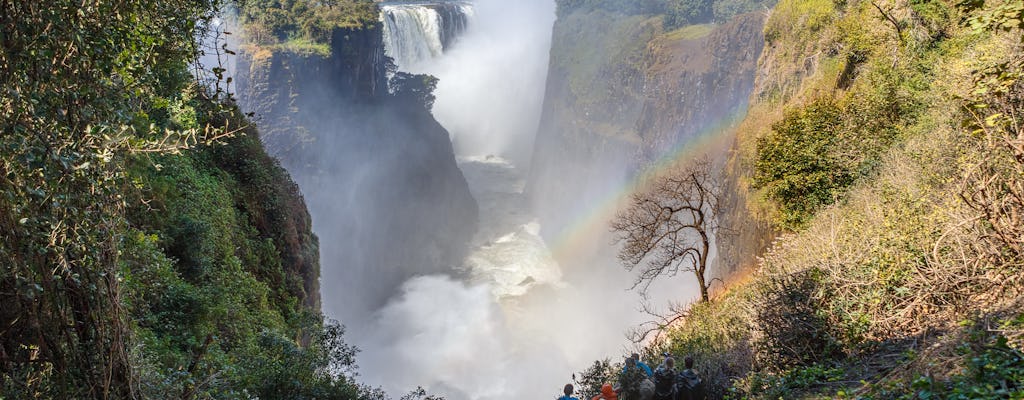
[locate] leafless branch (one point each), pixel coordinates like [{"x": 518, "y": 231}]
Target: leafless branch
[{"x": 671, "y": 227}]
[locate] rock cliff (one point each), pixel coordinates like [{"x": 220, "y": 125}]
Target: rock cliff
[
  {"x": 623, "y": 93},
  {"x": 379, "y": 173}
]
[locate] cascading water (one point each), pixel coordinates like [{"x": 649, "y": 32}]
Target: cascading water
[
  {"x": 415, "y": 32},
  {"x": 510, "y": 323}
]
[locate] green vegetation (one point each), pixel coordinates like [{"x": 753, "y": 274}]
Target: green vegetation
[
  {"x": 218, "y": 257},
  {"x": 153, "y": 249},
  {"x": 302, "y": 26},
  {"x": 795, "y": 165},
  {"x": 417, "y": 89},
  {"x": 817, "y": 151},
  {"x": 884, "y": 143},
  {"x": 992, "y": 369}
]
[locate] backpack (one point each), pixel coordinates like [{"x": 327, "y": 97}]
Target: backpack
[
  {"x": 689, "y": 386},
  {"x": 646, "y": 389},
  {"x": 664, "y": 383}
]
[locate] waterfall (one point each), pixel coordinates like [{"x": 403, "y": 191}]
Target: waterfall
[{"x": 415, "y": 32}]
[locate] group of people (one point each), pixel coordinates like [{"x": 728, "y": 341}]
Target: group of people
[{"x": 638, "y": 382}]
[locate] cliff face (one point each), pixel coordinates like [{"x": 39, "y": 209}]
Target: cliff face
[
  {"x": 293, "y": 93},
  {"x": 623, "y": 93},
  {"x": 379, "y": 173}
]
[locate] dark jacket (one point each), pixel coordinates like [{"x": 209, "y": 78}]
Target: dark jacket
[
  {"x": 664, "y": 383},
  {"x": 689, "y": 386}
]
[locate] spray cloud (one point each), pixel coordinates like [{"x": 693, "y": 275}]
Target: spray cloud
[{"x": 514, "y": 324}]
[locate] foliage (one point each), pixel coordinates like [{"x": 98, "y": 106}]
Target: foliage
[
  {"x": 415, "y": 88},
  {"x": 717, "y": 336},
  {"x": 588, "y": 383},
  {"x": 624, "y": 7},
  {"x": 1006, "y": 16},
  {"x": 989, "y": 368},
  {"x": 689, "y": 12},
  {"x": 779, "y": 385},
  {"x": 886, "y": 137},
  {"x": 154, "y": 249},
  {"x": 816, "y": 151},
  {"x": 797, "y": 21},
  {"x": 678, "y": 13},
  {"x": 795, "y": 166},
  {"x": 993, "y": 371},
  {"x": 84, "y": 88},
  {"x": 792, "y": 329},
  {"x": 302, "y": 24},
  {"x": 221, "y": 298},
  {"x": 724, "y": 10},
  {"x": 993, "y": 186}
]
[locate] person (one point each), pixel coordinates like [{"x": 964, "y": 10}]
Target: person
[
  {"x": 688, "y": 383},
  {"x": 568, "y": 393},
  {"x": 630, "y": 380},
  {"x": 647, "y": 389},
  {"x": 636, "y": 360},
  {"x": 607, "y": 393},
  {"x": 665, "y": 380}
]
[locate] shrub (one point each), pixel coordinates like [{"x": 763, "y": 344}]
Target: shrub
[
  {"x": 589, "y": 382},
  {"x": 790, "y": 320},
  {"x": 717, "y": 336},
  {"x": 795, "y": 166}
]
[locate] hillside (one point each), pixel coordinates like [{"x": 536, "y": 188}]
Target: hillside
[
  {"x": 882, "y": 143},
  {"x": 152, "y": 248},
  {"x": 870, "y": 152},
  {"x": 628, "y": 90}
]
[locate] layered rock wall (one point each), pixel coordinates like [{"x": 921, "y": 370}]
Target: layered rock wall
[
  {"x": 379, "y": 173},
  {"x": 623, "y": 94}
]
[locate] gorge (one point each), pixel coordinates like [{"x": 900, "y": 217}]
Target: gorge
[
  {"x": 475, "y": 318},
  {"x": 485, "y": 199}
]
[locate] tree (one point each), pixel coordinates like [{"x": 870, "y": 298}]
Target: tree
[
  {"x": 670, "y": 227},
  {"x": 85, "y": 89},
  {"x": 797, "y": 164},
  {"x": 414, "y": 88},
  {"x": 688, "y": 12}
]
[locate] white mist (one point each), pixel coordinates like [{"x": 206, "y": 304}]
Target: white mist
[{"x": 513, "y": 324}]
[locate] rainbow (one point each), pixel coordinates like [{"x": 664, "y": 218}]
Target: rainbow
[{"x": 589, "y": 227}]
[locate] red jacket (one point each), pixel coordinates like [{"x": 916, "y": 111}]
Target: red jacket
[{"x": 607, "y": 393}]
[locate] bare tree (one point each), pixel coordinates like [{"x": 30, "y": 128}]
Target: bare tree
[{"x": 669, "y": 228}]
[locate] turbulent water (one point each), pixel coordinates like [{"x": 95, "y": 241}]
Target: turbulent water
[
  {"x": 509, "y": 322},
  {"x": 415, "y": 32},
  {"x": 509, "y": 254}
]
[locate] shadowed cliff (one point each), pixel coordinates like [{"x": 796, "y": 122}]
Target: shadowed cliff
[{"x": 378, "y": 171}]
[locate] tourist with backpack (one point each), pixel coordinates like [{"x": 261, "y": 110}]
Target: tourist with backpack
[
  {"x": 631, "y": 380},
  {"x": 639, "y": 364},
  {"x": 688, "y": 383},
  {"x": 665, "y": 380}
]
